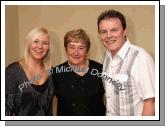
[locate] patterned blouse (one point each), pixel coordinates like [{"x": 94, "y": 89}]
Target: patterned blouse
[{"x": 22, "y": 98}]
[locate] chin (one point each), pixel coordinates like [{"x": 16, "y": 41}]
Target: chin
[
  {"x": 75, "y": 63},
  {"x": 39, "y": 57},
  {"x": 111, "y": 48}
]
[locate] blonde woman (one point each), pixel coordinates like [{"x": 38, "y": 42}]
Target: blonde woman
[{"x": 28, "y": 85}]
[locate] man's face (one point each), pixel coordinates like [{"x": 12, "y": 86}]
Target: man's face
[{"x": 112, "y": 34}]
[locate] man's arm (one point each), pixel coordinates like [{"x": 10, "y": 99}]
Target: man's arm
[{"x": 149, "y": 107}]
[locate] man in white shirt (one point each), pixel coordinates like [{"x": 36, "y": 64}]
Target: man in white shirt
[{"x": 128, "y": 70}]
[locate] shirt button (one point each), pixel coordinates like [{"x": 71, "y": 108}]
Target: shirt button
[
  {"x": 108, "y": 111},
  {"x": 108, "y": 97},
  {"x": 82, "y": 80},
  {"x": 73, "y": 105},
  {"x": 82, "y": 89}
]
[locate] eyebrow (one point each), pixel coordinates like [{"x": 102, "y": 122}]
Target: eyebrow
[
  {"x": 40, "y": 40},
  {"x": 110, "y": 29}
]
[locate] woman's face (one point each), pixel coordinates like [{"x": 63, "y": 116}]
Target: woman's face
[
  {"x": 39, "y": 46},
  {"x": 76, "y": 53}
]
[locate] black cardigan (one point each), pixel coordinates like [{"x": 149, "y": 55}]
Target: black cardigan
[{"x": 79, "y": 95}]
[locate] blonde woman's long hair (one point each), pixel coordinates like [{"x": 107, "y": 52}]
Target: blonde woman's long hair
[{"x": 47, "y": 60}]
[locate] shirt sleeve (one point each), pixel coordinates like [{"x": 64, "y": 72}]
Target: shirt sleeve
[
  {"x": 144, "y": 75},
  {"x": 10, "y": 85},
  {"x": 54, "y": 76}
]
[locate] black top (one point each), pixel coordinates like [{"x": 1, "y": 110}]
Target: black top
[
  {"x": 79, "y": 95},
  {"x": 23, "y": 98},
  {"x": 42, "y": 87}
]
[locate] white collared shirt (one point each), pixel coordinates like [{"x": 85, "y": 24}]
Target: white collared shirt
[{"x": 128, "y": 80}]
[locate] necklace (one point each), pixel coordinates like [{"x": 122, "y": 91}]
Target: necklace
[
  {"x": 34, "y": 76},
  {"x": 80, "y": 70}
]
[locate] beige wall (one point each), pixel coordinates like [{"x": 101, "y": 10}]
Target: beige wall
[
  {"x": 12, "y": 34},
  {"x": 60, "y": 19}
]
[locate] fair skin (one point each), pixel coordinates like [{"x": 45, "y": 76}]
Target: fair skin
[
  {"x": 39, "y": 46},
  {"x": 37, "y": 51},
  {"x": 112, "y": 34},
  {"x": 113, "y": 38},
  {"x": 149, "y": 107},
  {"x": 76, "y": 54}
]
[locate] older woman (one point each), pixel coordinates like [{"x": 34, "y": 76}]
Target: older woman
[
  {"x": 79, "y": 93},
  {"x": 29, "y": 89}
]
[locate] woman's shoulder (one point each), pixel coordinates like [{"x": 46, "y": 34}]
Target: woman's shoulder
[
  {"x": 13, "y": 70},
  {"x": 95, "y": 63},
  {"x": 13, "y": 66},
  {"x": 62, "y": 64}
]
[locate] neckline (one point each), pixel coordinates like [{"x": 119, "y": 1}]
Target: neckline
[
  {"x": 78, "y": 74},
  {"x": 25, "y": 76},
  {"x": 42, "y": 85}
]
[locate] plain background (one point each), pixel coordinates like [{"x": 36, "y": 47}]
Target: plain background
[{"x": 58, "y": 19}]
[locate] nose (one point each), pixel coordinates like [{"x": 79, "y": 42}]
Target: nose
[
  {"x": 109, "y": 34},
  {"x": 76, "y": 52},
  {"x": 40, "y": 45}
]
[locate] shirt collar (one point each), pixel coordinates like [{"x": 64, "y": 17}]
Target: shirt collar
[{"x": 122, "y": 52}]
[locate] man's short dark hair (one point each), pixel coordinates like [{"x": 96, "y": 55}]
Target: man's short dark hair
[{"x": 112, "y": 14}]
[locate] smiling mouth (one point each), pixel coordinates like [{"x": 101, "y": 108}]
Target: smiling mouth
[
  {"x": 76, "y": 57},
  {"x": 110, "y": 41},
  {"x": 38, "y": 52}
]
